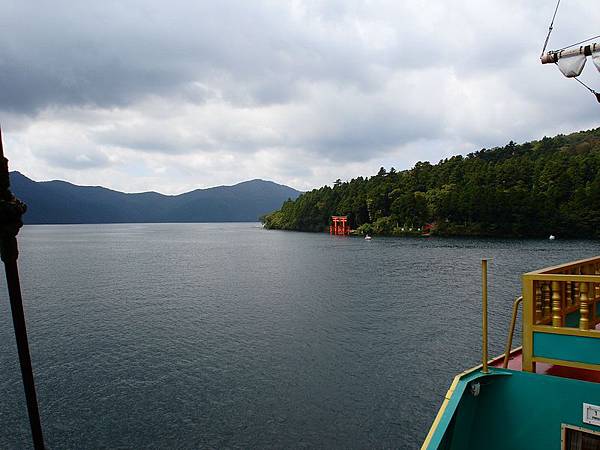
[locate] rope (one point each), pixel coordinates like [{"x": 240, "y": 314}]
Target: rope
[
  {"x": 550, "y": 29},
  {"x": 577, "y": 43},
  {"x": 585, "y": 85},
  {"x": 596, "y": 94}
]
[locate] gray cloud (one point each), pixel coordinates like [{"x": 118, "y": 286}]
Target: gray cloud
[
  {"x": 74, "y": 160},
  {"x": 114, "y": 53},
  {"x": 108, "y": 54},
  {"x": 132, "y": 90}
]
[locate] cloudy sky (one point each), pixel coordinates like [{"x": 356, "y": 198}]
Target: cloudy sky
[{"x": 176, "y": 95}]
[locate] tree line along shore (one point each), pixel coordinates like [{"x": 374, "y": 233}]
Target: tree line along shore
[{"x": 549, "y": 186}]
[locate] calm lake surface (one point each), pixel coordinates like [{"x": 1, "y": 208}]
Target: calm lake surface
[{"x": 231, "y": 336}]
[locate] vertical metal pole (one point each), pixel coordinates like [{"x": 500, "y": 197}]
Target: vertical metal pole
[
  {"x": 529, "y": 319},
  {"x": 11, "y": 211},
  {"x": 484, "y": 324},
  {"x": 511, "y": 331}
]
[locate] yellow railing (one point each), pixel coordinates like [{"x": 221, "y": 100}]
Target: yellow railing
[{"x": 560, "y": 300}]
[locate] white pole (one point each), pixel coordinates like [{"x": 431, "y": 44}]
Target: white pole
[{"x": 554, "y": 56}]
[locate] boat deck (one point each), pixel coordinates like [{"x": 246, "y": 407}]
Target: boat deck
[
  {"x": 515, "y": 363},
  {"x": 552, "y": 407}
]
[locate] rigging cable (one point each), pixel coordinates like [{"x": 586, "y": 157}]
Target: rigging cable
[
  {"x": 550, "y": 28},
  {"x": 578, "y": 43},
  {"x": 588, "y": 88}
]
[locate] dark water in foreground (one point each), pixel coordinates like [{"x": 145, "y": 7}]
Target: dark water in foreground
[{"x": 216, "y": 336}]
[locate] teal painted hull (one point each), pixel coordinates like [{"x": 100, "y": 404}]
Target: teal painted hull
[{"x": 512, "y": 410}]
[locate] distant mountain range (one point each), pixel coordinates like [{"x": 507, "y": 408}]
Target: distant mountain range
[{"x": 55, "y": 202}]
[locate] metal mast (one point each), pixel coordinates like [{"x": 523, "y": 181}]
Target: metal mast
[{"x": 11, "y": 212}]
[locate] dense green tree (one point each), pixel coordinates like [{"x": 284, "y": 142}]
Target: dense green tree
[{"x": 550, "y": 186}]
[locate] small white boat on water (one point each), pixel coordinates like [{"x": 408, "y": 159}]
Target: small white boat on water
[
  {"x": 552, "y": 237},
  {"x": 367, "y": 238}
]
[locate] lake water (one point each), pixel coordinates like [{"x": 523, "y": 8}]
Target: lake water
[{"x": 231, "y": 336}]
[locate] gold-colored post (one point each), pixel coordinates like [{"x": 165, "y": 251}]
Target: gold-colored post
[
  {"x": 538, "y": 302},
  {"x": 528, "y": 321},
  {"x": 547, "y": 299},
  {"x": 484, "y": 324},
  {"x": 557, "y": 320},
  {"x": 584, "y": 308},
  {"x": 596, "y": 285},
  {"x": 511, "y": 331},
  {"x": 593, "y": 311}
]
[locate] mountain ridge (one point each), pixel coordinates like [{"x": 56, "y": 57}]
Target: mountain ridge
[{"x": 62, "y": 202}]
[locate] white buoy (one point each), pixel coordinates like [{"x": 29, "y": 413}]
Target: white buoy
[{"x": 552, "y": 237}]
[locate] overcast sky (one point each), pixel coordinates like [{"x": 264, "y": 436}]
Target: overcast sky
[{"x": 175, "y": 95}]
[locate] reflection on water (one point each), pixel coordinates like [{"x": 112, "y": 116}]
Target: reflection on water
[{"x": 228, "y": 335}]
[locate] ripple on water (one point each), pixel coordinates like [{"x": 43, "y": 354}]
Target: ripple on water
[{"x": 228, "y": 335}]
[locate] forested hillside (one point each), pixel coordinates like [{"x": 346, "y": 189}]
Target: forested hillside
[{"x": 551, "y": 186}]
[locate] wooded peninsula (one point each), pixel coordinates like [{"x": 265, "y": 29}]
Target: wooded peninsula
[{"x": 550, "y": 186}]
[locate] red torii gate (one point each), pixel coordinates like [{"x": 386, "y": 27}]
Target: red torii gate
[{"x": 339, "y": 226}]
